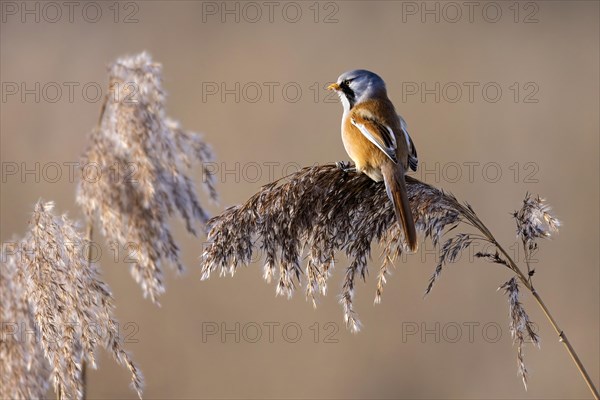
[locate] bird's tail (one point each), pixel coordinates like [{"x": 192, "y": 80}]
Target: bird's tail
[{"x": 393, "y": 175}]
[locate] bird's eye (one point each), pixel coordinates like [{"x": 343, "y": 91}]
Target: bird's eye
[{"x": 346, "y": 82}]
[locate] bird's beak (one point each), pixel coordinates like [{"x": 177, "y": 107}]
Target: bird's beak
[{"x": 333, "y": 86}]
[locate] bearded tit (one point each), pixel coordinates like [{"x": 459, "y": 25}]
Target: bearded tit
[{"x": 376, "y": 139}]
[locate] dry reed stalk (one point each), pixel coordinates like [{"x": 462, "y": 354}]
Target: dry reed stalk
[
  {"x": 321, "y": 210},
  {"x": 141, "y": 157},
  {"x": 24, "y": 372},
  {"x": 324, "y": 209},
  {"x": 70, "y": 306}
]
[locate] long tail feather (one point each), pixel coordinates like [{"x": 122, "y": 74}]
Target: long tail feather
[{"x": 393, "y": 175}]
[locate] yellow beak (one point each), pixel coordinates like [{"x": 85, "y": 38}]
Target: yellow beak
[{"x": 333, "y": 86}]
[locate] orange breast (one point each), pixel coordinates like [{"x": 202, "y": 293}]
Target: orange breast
[{"x": 365, "y": 155}]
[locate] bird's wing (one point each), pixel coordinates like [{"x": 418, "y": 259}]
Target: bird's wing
[
  {"x": 378, "y": 133},
  {"x": 413, "y": 160}
]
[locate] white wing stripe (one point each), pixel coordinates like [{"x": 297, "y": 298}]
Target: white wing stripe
[{"x": 369, "y": 136}]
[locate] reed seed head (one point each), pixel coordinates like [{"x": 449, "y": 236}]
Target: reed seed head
[
  {"x": 140, "y": 158},
  {"x": 521, "y": 327},
  {"x": 24, "y": 371},
  {"x": 315, "y": 213},
  {"x": 66, "y": 300}
]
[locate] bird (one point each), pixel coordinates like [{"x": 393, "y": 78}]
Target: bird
[{"x": 376, "y": 139}]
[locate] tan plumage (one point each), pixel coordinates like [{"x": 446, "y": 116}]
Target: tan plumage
[{"x": 376, "y": 140}]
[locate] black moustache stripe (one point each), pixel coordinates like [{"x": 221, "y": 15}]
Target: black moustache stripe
[{"x": 349, "y": 94}]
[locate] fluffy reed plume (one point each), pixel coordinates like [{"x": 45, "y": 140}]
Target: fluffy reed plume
[
  {"x": 521, "y": 327},
  {"x": 320, "y": 210},
  {"x": 134, "y": 171},
  {"x": 534, "y": 221},
  {"x": 70, "y": 305},
  {"x": 24, "y": 372}
]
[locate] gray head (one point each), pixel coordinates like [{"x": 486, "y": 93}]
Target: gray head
[{"x": 357, "y": 86}]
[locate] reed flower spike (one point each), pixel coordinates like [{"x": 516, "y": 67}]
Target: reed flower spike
[
  {"x": 24, "y": 371},
  {"x": 68, "y": 304},
  {"x": 134, "y": 174}
]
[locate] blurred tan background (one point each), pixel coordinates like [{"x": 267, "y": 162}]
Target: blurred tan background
[{"x": 541, "y": 135}]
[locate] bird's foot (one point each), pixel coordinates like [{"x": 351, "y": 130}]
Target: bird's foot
[{"x": 345, "y": 166}]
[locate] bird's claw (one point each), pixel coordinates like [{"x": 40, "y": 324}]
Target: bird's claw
[{"x": 345, "y": 166}]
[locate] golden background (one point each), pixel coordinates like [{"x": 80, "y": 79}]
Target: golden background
[{"x": 554, "y": 59}]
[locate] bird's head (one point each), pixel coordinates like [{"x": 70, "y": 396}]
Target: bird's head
[{"x": 358, "y": 85}]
